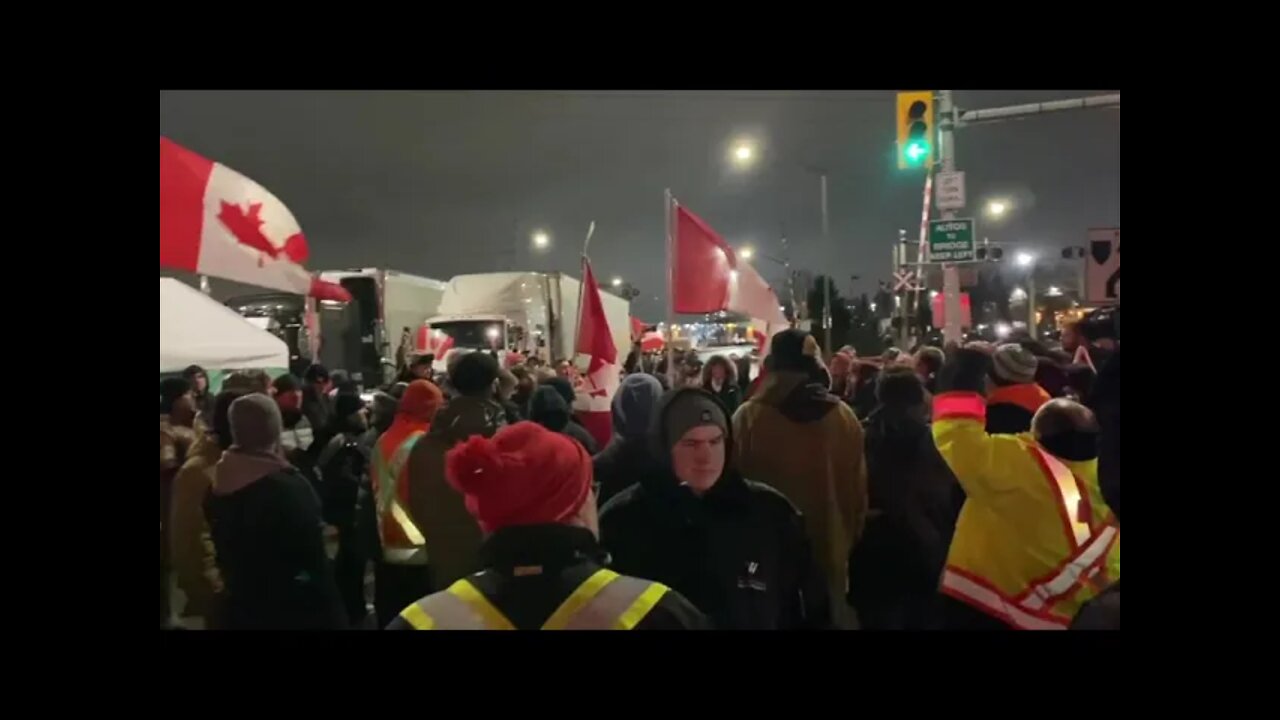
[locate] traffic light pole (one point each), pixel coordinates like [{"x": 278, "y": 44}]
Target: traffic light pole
[
  {"x": 949, "y": 119},
  {"x": 951, "y": 331}
]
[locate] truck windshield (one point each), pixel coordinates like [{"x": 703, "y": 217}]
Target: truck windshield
[{"x": 475, "y": 334}]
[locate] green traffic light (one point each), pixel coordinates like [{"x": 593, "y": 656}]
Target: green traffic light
[{"x": 916, "y": 151}]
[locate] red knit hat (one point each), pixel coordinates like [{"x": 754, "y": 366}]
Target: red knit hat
[{"x": 524, "y": 475}]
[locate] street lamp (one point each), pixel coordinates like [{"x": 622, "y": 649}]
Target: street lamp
[
  {"x": 541, "y": 240},
  {"x": 746, "y": 252},
  {"x": 1025, "y": 259},
  {"x": 743, "y": 153},
  {"x": 997, "y": 208},
  {"x": 617, "y": 281}
]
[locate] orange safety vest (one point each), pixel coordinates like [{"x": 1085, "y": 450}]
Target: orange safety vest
[
  {"x": 402, "y": 541},
  {"x": 604, "y": 601},
  {"x": 1091, "y": 541}
]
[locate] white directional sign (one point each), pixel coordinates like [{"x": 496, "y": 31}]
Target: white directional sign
[
  {"x": 950, "y": 191},
  {"x": 902, "y": 280},
  {"x": 1102, "y": 265}
]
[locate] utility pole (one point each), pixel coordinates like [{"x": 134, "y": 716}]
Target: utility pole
[
  {"x": 902, "y": 311},
  {"x": 952, "y": 118},
  {"x": 951, "y": 331},
  {"x": 826, "y": 277},
  {"x": 1031, "y": 301}
]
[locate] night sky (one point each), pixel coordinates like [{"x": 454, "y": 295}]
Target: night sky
[{"x": 442, "y": 183}]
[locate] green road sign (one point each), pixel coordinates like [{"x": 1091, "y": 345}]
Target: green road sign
[{"x": 951, "y": 240}]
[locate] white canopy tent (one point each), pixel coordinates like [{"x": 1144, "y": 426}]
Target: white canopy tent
[{"x": 198, "y": 330}]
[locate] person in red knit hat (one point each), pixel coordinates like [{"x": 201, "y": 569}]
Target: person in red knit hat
[{"x": 529, "y": 490}]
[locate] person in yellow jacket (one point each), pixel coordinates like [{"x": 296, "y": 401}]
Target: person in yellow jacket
[{"x": 1035, "y": 539}]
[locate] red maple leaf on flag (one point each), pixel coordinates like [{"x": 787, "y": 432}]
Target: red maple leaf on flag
[{"x": 247, "y": 230}]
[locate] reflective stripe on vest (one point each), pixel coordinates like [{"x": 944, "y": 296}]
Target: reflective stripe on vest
[
  {"x": 390, "y": 509},
  {"x": 605, "y": 601},
  {"x": 975, "y": 590},
  {"x": 1088, "y": 549}
]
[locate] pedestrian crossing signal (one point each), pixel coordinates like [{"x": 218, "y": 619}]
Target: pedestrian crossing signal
[{"x": 915, "y": 129}]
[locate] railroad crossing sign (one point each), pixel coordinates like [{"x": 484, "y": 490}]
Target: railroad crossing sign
[
  {"x": 951, "y": 240},
  {"x": 902, "y": 280},
  {"x": 1102, "y": 265}
]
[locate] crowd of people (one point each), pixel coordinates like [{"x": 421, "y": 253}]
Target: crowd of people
[{"x": 975, "y": 487}]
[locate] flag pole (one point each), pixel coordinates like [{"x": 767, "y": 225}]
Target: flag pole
[
  {"x": 671, "y": 287},
  {"x": 582, "y": 270}
]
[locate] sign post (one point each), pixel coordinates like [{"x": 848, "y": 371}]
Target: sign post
[
  {"x": 950, "y": 193},
  {"x": 951, "y": 240}
]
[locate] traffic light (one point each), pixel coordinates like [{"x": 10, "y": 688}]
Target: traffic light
[
  {"x": 915, "y": 129},
  {"x": 993, "y": 253}
]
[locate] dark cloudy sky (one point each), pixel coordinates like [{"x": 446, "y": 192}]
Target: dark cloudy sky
[{"x": 442, "y": 183}]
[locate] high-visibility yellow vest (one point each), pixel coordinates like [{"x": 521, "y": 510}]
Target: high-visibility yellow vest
[
  {"x": 1035, "y": 539},
  {"x": 402, "y": 541},
  {"x": 605, "y": 601}
]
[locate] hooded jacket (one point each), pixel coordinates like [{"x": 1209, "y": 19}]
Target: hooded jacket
[
  {"x": 729, "y": 394},
  {"x": 628, "y": 458},
  {"x": 913, "y": 503},
  {"x": 451, "y": 533},
  {"x": 192, "y": 555},
  {"x": 739, "y": 552},
  {"x": 265, "y": 521},
  {"x": 802, "y": 440},
  {"x": 548, "y": 408},
  {"x": 572, "y": 428}
]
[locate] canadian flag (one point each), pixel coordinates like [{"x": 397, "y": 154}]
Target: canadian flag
[
  {"x": 710, "y": 277},
  {"x": 593, "y": 406},
  {"x": 215, "y": 221}
]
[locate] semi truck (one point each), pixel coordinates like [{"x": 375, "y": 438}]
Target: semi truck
[
  {"x": 526, "y": 312},
  {"x": 356, "y": 336}
]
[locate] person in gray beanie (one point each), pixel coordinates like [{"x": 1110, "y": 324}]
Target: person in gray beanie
[
  {"x": 737, "y": 549},
  {"x": 265, "y": 521},
  {"x": 1013, "y": 397}
]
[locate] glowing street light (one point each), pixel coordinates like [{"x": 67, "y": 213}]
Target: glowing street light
[
  {"x": 743, "y": 153},
  {"x": 746, "y": 252},
  {"x": 541, "y": 240},
  {"x": 617, "y": 281},
  {"x": 1025, "y": 259},
  {"x": 997, "y": 208}
]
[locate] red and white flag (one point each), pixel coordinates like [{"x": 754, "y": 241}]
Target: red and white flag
[
  {"x": 710, "y": 277},
  {"x": 595, "y": 396},
  {"x": 215, "y": 221}
]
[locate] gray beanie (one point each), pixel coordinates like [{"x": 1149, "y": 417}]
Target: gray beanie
[
  {"x": 693, "y": 408},
  {"x": 255, "y": 423},
  {"x": 1014, "y": 364}
]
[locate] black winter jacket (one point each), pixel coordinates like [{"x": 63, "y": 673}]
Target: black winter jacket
[
  {"x": 739, "y": 552},
  {"x": 271, "y": 553},
  {"x": 622, "y": 464},
  {"x": 553, "y": 561},
  {"x": 914, "y": 502}
]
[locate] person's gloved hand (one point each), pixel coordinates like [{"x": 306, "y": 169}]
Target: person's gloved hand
[{"x": 965, "y": 372}]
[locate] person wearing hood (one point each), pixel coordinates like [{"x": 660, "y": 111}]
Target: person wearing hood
[
  {"x": 720, "y": 378},
  {"x": 548, "y": 409},
  {"x": 450, "y": 533},
  {"x": 797, "y": 437},
  {"x": 541, "y": 565},
  {"x": 402, "y": 574},
  {"x": 573, "y": 428},
  {"x": 344, "y": 466},
  {"x": 1036, "y": 538},
  {"x": 505, "y": 393},
  {"x": 177, "y": 436},
  {"x": 736, "y": 548},
  {"x": 627, "y": 458},
  {"x": 1015, "y": 397},
  {"x": 199, "y": 380},
  {"x": 316, "y": 403},
  {"x": 194, "y": 560},
  {"x": 267, "y": 531},
  {"x": 914, "y": 500}
]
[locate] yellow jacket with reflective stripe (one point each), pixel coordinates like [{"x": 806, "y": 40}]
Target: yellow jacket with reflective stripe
[{"x": 1013, "y": 531}]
